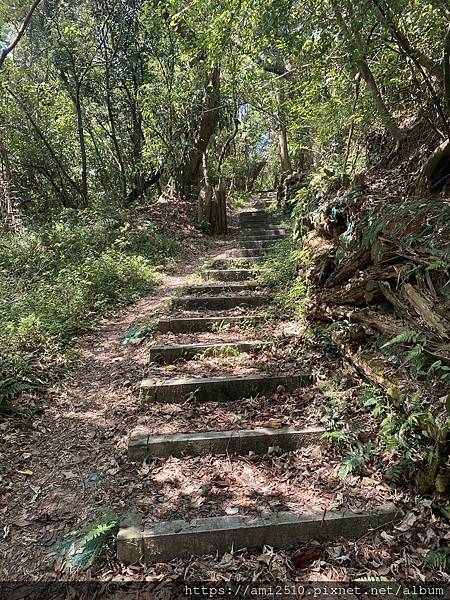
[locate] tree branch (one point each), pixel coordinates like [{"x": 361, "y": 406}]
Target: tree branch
[{"x": 4, "y": 53}]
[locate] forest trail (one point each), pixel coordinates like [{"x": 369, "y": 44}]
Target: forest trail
[
  {"x": 231, "y": 456},
  {"x": 179, "y": 379}
]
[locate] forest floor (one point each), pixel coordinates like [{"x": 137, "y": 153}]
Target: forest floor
[{"x": 59, "y": 470}]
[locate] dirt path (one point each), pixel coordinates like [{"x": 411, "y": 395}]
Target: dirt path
[{"x": 71, "y": 462}]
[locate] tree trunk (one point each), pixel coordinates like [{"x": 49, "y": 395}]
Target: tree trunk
[
  {"x": 383, "y": 111},
  {"x": 82, "y": 143},
  {"x": 286, "y": 164},
  {"x": 8, "y": 205},
  {"x": 190, "y": 172},
  {"x": 112, "y": 123},
  {"x": 255, "y": 170},
  {"x": 205, "y": 196},
  {"x": 426, "y": 182},
  {"x": 446, "y": 66}
]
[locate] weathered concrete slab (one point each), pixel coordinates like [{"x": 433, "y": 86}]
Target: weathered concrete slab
[
  {"x": 170, "y": 354},
  {"x": 216, "y": 288},
  {"x": 196, "y": 324},
  {"x": 245, "y": 252},
  {"x": 254, "y": 234},
  {"x": 247, "y": 260},
  {"x": 264, "y": 244},
  {"x": 143, "y": 444},
  {"x": 164, "y": 541},
  {"x": 259, "y": 220},
  {"x": 218, "y": 389},
  {"x": 220, "y": 302},
  {"x": 261, "y": 228},
  {"x": 228, "y": 274}
]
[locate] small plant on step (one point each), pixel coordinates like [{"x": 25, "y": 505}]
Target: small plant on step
[
  {"x": 219, "y": 327},
  {"x": 356, "y": 454},
  {"x": 344, "y": 434}
]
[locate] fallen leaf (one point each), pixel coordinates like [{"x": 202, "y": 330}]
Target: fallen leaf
[
  {"x": 304, "y": 557},
  {"x": 232, "y": 510},
  {"x": 22, "y": 523},
  {"x": 407, "y": 522}
]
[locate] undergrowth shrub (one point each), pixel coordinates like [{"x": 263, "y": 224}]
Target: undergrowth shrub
[
  {"x": 56, "y": 280},
  {"x": 281, "y": 273}
]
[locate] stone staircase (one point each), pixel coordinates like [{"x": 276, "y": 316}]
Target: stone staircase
[{"x": 227, "y": 288}]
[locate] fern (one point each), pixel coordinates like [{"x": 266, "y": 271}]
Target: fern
[
  {"x": 416, "y": 359},
  {"x": 81, "y": 548},
  {"x": 439, "y": 559},
  {"x": 406, "y": 337}
]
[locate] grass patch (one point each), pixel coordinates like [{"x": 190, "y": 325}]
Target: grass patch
[
  {"x": 56, "y": 280},
  {"x": 281, "y": 272}
]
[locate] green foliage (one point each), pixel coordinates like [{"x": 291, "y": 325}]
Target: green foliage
[
  {"x": 16, "y": 376},
  {"x": 439, "y": 559},
  {"x": 408, "y": 429},
  {"x": 56, "y": 280},
  {"x": 356, "y": 455},
  {"x": 405, "y": 337},
  {"x": 138, "y": 333},
  {"x": 281, "y": 274},
  {"x": 82, "y": 547}
]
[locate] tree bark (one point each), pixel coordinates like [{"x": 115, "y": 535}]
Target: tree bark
[
  {"x": 425, "y": 180},
  {"x": 8, "y": 201},
  {"x": 112, "y": 123},
  {"x": 190, "y": 172},
  {"x": 82, "y": 143},
  {"x": 446, "y": 68}
]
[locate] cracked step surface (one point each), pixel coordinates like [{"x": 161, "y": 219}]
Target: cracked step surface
[
  {"x": 250, "y": 235},
  {"x": 244, "y": 252},
  {"x": 218, "y": 389},
  {"x": 248, "y": 260},
  {"x": 257, "y": 244}
]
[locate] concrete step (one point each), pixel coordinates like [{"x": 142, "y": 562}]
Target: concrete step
[
  {"x": 198, "y": 324},
  {"x": 247, "y": 260},
  {"x": 260, "y": 228},
  {"x": 139, "y": 542},
  {"x": 218, "y": 389},
  {"x": 255, "y": 212},
  {"x": 219, "y": 302},
  {"x": 258, "y": 213},
  {"x": 251, "y": 235},
  {"x": 262, "y": 220},
  {"x": 245, "y": 252},
  {"x": 257, "y": 244},
  {"x": 171, "y": 353},
  {"x": 143, "y": 444},
  {"x": 217, "y": 288},
  {"x": 228, "y": 274}
]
